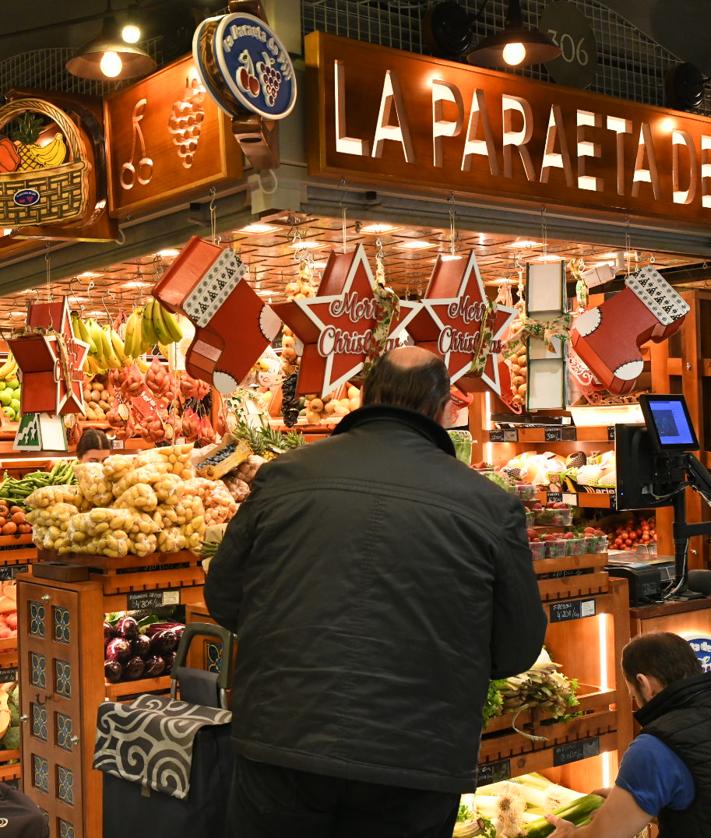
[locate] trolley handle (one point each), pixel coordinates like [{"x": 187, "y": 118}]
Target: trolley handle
[{"x": 193, "y": 630}]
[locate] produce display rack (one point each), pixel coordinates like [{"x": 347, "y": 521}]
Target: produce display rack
[
  {"x": 586, "y": 633},
  {"x": 572, "y": 576},
  {"x": 17, "y": 553},
  {"x": 62, "y": 677}
]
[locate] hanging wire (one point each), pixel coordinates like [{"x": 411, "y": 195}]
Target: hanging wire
[
  {"x": 452, "y": 226},
  {"x": 213, "y": 217},
  {"x": 344, "y": 214},
  {"x": 544, "y": 231}
]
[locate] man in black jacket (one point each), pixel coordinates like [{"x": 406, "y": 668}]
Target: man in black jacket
[
  {"x": 666, "y": 771},
  {"x": 376, "y": 585}
]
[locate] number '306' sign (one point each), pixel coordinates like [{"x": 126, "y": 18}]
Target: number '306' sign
[{"x": 571, "y": 31}]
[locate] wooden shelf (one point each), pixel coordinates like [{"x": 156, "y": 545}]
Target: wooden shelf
[
  {"x": 603, "y": 499},
  {"x": 674, "y": 367},
  {"x": 10, "y": 771},
  {"x": 125, "y": 689},
  {"x": 8, "y": 646},
  {"x": 553, "y": 434}
]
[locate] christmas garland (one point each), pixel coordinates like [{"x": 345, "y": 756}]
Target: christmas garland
[
  {"x": 558, "y": 328},
  {"x": 486, "y": 334},
  {"x": 387, "y": 309}
]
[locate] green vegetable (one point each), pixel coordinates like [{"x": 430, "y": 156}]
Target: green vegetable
[
  {"x": 15, "y": 490},
  {"x": 577, "y": 813},
  {"x": 11, "y": 742},
  {"x": 494, "y": 705}
]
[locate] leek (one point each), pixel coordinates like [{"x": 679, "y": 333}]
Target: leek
[{"x": 577, "y": 813}]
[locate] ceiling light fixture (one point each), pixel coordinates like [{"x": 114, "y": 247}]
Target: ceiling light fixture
[
  {"x": 88, "y": 275},
  {"x": 524, "y": 244},
  {"x": 514, "y": 45},
  {"x": 168, "y": 253},
  {"x": 416, "y": 244},
  {"x": 136, "y": 283},
  {"x": 111, "y": 55},
  {"x": 130, "y": 33},
  {"x": 302, "y": 244},
  {"x": 378, "y": 227},
  {"x": 18, "y": 314},
  {"x": 258, "y": 227},
  {"x": 547, "y": 257}
]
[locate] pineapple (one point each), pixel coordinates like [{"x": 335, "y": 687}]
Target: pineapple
[{"x": 26, "y": 131}]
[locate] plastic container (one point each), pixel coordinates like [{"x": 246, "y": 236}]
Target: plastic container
[
  {"x": 538, "y": 549},
  {"x": 526, "y": 491},
  {"x": 576, "y": 546},
  {"x": 529, "y": 518},
  {"x": 554, "y": 517},
  {"x": 595, "y": 543},
  {"x": 556, "y": 548}
]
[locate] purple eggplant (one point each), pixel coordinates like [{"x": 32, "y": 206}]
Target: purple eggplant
[
  {"x": 118, "y": 649},
  {"x": 163, "y": 642},
  {"x": 108, "y": 632},
  {"x": 140, "y": 645},
  {"x": 156, "y": 628},
  {"x": 155, "y": 666},
  {"x": 134, "y": 668},
  {"x": 169, "y": 662},
  {"x": 113, "y": 671},
  {"x": 127, "y": 628}
]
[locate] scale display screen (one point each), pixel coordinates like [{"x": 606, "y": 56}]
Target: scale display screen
[{"x": 669, "y": 423}]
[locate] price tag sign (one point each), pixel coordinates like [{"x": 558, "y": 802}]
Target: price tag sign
[
  {"x": 573, "y": 609},
  {"x": 496, "y": 436},
  {"x": 494, "y": 772},
  {"x": 7, "y": 573},
  {"x": 555, "y": 497},
  {"x": 575, "y": 751},
  {"x": 147, "y": 600},
  {"x": 553, "y": 434},
  {"x": 511, "y": 435},
  {"x": 569, "y": 29},
  {"x": 8, "y": 676},
  {"x": 611, "y": 433}
]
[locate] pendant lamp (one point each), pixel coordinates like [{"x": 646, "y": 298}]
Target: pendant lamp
[
  {"x": 109, "y": 57},
  {"x": 515, "y": 45}
]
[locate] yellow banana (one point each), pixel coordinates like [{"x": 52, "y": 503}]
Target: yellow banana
[
  {"x": 172, "y": 326},
  {"x": 118, "y": 347},
  {"x": 8, "y": 368},
  {"x": 150, "y": 338},
  {"x": 52, "y": 154},
  {"x": 84, "y": 334},
  {"x": 112, "y": 360},
  {"x": 159, "y": 326},
  {"x": 95, "y": 332}
]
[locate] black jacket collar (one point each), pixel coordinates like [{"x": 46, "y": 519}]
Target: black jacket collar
[
  {"x": 409, "y": 418},
  {"x": 679, "y": 694}
]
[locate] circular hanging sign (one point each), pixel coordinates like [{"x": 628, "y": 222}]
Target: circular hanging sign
[
  {"x": 571, "y": 31},
  {"x": 254, "y": 65}
]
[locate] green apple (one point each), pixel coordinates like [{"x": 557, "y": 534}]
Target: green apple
[
  {"x": 9, "y": 413},
  {"x": 6, "y": 397},
  {"x": 14, "y": 384},
  {"x": 15, "y": 405}
]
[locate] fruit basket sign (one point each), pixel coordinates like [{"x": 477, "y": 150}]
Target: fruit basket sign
[{"x": 254, "y": 65}]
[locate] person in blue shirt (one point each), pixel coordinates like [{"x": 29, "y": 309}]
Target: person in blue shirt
[{"x": 666, "y": 771}]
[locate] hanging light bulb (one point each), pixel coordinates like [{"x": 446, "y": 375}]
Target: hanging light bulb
[
  {"x": 131, "y": 34},
  {"x": 111, "y": 64},
  {"x": 514, "y": 53}
]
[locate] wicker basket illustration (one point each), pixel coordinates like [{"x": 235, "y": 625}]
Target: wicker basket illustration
[{"x": 51, "y": 195}]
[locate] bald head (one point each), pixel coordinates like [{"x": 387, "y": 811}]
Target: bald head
[{"x": 411, "y": 378}]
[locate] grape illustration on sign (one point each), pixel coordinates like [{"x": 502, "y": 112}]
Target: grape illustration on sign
[{"x": 252, "y": 63}]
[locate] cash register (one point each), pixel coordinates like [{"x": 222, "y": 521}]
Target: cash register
[{"x": 655, "y": 467}]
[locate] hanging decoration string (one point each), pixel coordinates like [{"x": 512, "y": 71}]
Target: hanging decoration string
[
  {"x": 387, "y": 310},
  {"x": 452, "y": 226},
  {"x": 582, "y": 292},
  {"x": 344, "y": 215},
  {"x": 213, "y": 217}
]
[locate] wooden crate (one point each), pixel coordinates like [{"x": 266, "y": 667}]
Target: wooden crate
[
  {"x": 10, "y": 768},
  {"x": 157, "y": 571},
  {"x": 129, "y": 689},
  {"x": 574, "y": 576}
]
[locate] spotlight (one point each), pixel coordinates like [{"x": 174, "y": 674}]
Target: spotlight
[{"x": 514, "y": 45}]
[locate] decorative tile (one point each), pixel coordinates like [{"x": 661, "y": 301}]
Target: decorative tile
[
  {"x": 65, "y": 785},
  {"x": 214, "y": 655},
  {"x": 66, "y": 830},
  {"x": 38, "y": 715},
  {"x": 37, "y": 617},
  {"x": 40, "y": 773},
  {"x": 64, "y": 732},
  {"x": 63, "y": 678},
  {"x": 61, "y": 625},
  {"x": 38, "y": 670}
]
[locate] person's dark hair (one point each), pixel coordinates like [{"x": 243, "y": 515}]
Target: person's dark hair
[
  {"x": 423, "y": 388},
  {"x": 92, "y": 440},
  {"x": 663, "y": 655}
]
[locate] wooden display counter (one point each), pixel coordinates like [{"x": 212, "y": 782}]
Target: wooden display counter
[
  {"x": 61, "y": 653},
  {"x": 689, "y": 619}
]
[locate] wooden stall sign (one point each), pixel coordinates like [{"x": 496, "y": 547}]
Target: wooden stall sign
[
  {"x": 168, "y": 141},
  {"x": 411, "y": 121}
]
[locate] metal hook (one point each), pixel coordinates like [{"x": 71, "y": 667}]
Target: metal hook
[
  {"x": 213, "y": 215},
  {"x": 122, "y": 236},
  {"x": 111, "y": 297}
]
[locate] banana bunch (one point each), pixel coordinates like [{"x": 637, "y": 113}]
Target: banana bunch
[
  {"x": 34, "y": 157},
  {"x": 106, "y": 349},
  {"x": 148, "y": 326},
  {"x": 10, "y": 389}
]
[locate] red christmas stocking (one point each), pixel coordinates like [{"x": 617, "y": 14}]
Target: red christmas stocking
[
  {"x": 232, "y": 324},
  {"x": 608, "y": 338}
]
